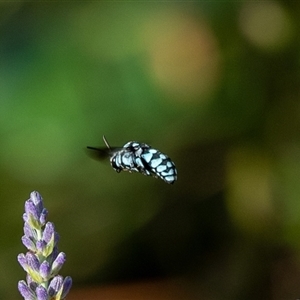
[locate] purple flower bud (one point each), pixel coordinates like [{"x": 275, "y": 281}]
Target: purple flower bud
[
  {"x": 30, "y": 209},
  {"x": 53, "y": 255},
  {"x": 41, "y": 293},
  {"x": 43, "y": 216},
  {"x": 45, "y": 270},
  {"x": 25, "y": 291},
  {"x": 37, "y": 199},
  {"x": 25, "y": 218},
  {"x": 32, "y": 261},
  {"x": 66, "y": 287},
  {"x": 55, "y": 285},
  {"x": 32, "y": 284},
  {"x": 40, "y": 246},
  {"x": 22, "y": 261},
  {"x": 48, "y": 232},
  {"x": 28, "y": 243},
  {"x": 58, "y": 263},
  {"x": 29, "y": 232}
]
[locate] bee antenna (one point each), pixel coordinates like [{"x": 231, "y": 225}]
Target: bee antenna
[{"x": 106, "y": 142}]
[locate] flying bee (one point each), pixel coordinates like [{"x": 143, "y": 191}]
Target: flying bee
[{"x": 138, "y": 157}]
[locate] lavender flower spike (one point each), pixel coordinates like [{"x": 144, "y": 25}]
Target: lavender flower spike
[{"x": 43, "y": 261}]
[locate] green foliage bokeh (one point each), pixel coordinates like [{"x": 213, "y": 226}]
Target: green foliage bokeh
[{"x": 214, "y": 85}]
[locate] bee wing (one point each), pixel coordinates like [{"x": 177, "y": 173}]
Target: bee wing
[
  {"x": 100, "y": 153},
  {"x": 97, "y": 153}
]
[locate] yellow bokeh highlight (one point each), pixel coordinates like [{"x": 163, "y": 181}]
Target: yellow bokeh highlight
[
  {"x": 249, "y": 194},
  {"x": 184, "y": 58},
  {"x": 266, "y": 24}
]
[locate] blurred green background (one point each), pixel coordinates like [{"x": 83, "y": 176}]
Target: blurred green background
[{"x": 215, "y": 85}]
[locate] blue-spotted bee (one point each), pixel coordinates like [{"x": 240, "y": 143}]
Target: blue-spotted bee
[{"x": 139, "y": 157}]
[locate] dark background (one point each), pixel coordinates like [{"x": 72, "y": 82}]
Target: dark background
[{"x": 213, "y": 84}]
